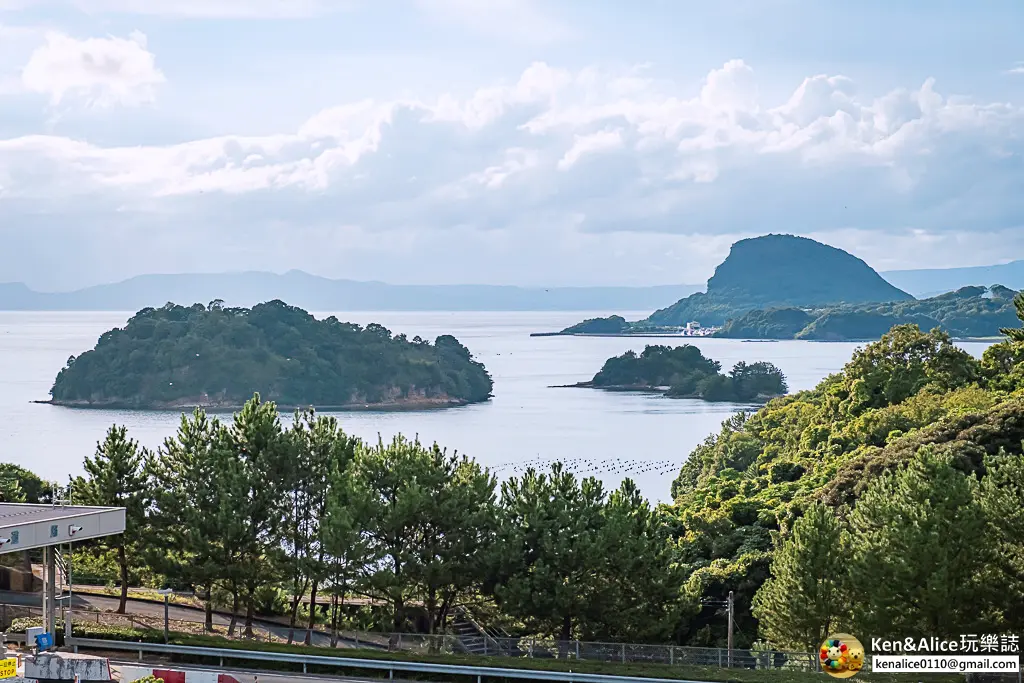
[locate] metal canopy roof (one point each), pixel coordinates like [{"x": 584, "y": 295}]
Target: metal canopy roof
[{"x": 24, "y": 526}]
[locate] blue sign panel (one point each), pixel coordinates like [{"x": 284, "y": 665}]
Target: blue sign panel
[{"x": 44, "y": 641}]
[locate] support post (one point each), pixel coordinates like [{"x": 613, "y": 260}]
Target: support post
[
  {"x": 731, "y": 603},
  {"x": 167, "y": 626},
  {"x": 50, "y": 592}
]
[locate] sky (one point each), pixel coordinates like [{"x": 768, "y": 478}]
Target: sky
[{"x": 528, "y": 142}]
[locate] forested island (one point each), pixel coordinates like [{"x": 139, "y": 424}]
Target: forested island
[
  {"x": 684, "y": 372},
  {"x": 888, "y": 500},
  {"x": 785, "y": 287},
  {"x": 217, "y": 357}
]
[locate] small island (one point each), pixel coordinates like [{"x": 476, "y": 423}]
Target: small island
[
  {"x": 684, "y": 372},
  {"x": 215, "y": 357}
]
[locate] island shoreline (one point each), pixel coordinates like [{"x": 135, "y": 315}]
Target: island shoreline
[
  {"x": 668, "y": 335},
  {"x": 655, "y": 391},
  {"x": 408, "y": 406}
]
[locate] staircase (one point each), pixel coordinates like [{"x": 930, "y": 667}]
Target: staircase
[{"x": 473, "y": 638}]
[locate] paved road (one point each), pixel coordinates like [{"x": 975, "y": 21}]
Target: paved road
[{"x": 156, "y": 610}]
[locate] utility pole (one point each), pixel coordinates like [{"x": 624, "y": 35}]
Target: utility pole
[
  {"x": 731, "y": 604},
  {"x": 166, "y": 592}
]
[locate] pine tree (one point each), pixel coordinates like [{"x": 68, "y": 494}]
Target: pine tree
[
  {"x": 397, "y": 488},
  {"x": 1016, "y": 333},
  {"x": 551, "y": 541},
  {"x": 114, "y": 477},
  {"x": 803, "y": 600},
  {"x": 919, "y": 558},
  {"x": 1001, "y": 495},
  {"x": 257, "y": 485},
  {"x": 320, "y": 447},
  {"x": 347, "y": 547},
  {"x": 184, "y": 520},
  {"x": 640, "y": 581},
  {"x": 456, "y": 533}
]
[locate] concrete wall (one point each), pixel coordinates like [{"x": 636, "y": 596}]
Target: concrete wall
[
  {"x": 64, "y": 667},
  {"x": 15, "y": 579}
]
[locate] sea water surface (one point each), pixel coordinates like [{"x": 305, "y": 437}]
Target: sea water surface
[{"x": 604, "y": 434}]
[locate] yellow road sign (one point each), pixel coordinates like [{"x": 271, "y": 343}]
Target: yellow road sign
[{"x": 8, "y": 667}]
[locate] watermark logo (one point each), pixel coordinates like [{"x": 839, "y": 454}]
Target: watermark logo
[{"x": 841, "y": 655}]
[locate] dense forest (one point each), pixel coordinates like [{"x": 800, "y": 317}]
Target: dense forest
[
  {"x": 967, "y": 312},
  {"x": 178, "y": 356},
  {"x": 888, "y": 500},
  {"x": 684, "y": 372}
]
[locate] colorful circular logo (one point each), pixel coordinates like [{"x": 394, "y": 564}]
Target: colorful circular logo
[{"x": 841, "y": 655}]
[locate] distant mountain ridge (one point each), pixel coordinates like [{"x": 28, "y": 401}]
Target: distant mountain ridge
[
  {"x": 929, "y": 282},
  {"x": 315, "y": 293}
]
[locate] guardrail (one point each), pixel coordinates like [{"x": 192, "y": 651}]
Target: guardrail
[{"x": 390, "y": 666}]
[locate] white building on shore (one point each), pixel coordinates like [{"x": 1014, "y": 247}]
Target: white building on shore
[{"x": 694, "y": 329}]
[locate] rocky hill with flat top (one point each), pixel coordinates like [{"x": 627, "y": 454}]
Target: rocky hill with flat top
[{"x": 777, "y": 271}]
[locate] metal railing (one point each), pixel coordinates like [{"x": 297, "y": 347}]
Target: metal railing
[
  {"x": 391, "y": 666},
  {"x": 447, "y": 643}
]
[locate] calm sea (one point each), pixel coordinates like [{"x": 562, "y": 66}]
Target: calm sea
[{"x": 608, "y": 435}]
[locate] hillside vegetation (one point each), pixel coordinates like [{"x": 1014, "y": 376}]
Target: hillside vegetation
[
  {"x": 178, "y": 356},
  {"x": 967, "y": 312},
  {"x": 819, "y": 508}
]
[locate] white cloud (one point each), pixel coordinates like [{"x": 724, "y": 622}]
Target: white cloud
[
  {"x": 601, "y": 141},
  {"x": 101, "y": 71},
  {"x": 1018, "y": 69},
  {"x": 521, "y": 20},
  {"x": 570, "y": 163}
]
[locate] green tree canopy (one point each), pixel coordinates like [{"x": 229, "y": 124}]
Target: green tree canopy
[
  {"x": 214, "y": 356},
  {"x": 919, "y": 557},
  {"x": 114, "y": 477},
  {"x": 552, "y": 542},
  {"x": 805, "y": 599}
]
